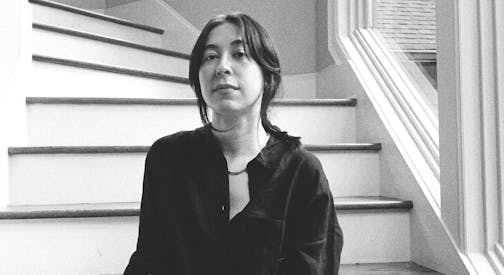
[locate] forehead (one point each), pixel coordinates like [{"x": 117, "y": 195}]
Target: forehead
[{"x": 224, "y": 34}]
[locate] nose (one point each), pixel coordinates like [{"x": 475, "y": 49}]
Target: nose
[{"x": 223, "y": 67}]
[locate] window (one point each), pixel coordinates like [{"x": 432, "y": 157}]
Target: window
[{"x": 407, "y": 29}]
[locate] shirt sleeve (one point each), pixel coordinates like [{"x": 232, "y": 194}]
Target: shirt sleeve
[
  {"x": 313, "y": 245},
  {"x": 151, "y": 235}
]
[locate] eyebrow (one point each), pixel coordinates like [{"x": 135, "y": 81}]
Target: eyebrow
[{"x": 237, "y": 42}]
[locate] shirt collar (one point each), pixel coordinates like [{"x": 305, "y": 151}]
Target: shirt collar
[
  {"x": 271, "y": 154},
  {"x": 269, "y": 157}
]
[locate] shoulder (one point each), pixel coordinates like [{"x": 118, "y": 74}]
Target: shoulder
[
  {"x": 170, "y": 140},
  {"x": 305, "y": 160},
  {"x": 309, "y": 173},
  {"x": 169, "y": 145}
]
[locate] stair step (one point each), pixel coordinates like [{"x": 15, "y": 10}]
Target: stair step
[
  {"x": 386, "y": 237},
  {"x": 400, "y": 268},
  {"x": 59, "y": 211},
  {"x": 67, "y": 246},
  {"x": 126, "y": 209},
  {"x": 108, "y": 68},
  {"x": 103, "y": 17},
  {"x": 375, "y": 236},
  {"x": 52, "y": 79},
  {"x": 58, "y": 77},
  {"x": 370, "y": 203},
  {"x": 352, "y": 102},
  {"x": 98, "y": 174},
  {"x": 12, "y": 151},
  {"x": 67, "y": 45},
  {"x": 123, "y": 121},
  {"x": 105, "y": 235},
  {"x": 60, "y": 15},
  {"x": 110, "y": 40}
]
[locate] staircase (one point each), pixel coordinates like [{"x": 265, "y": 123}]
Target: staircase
[{"x": 105, "y": 91}]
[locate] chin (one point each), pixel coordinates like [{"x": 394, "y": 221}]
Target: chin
[{"x": 228, "y": 107}]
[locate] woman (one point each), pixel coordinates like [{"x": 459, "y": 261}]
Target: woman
[{"x": 236, "y": 196}]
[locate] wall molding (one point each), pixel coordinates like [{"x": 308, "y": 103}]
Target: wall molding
[{"x": 472, "y": 170}]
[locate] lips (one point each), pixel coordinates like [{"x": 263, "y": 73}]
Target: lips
[{"x": 225, "y": 87}]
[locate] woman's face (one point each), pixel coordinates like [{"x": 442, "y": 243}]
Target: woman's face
[{"x": 230, "y": 81}]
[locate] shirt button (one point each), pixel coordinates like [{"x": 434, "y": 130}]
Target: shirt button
[{"x": 222, "y": 208}]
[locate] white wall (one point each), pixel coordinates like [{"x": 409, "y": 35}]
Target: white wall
[
  {"x": 291, "y": 23},
  {"x": 324, "y": 59},
  {"x": 9, "y": 55},
  {"x": 99, "y": 6},
  {"x": 299, "y": 86},
  {"x": 9, "y": 48},
  {"x": 112, "y": 3},
  {"x": 92, "y": 5},
  {"x": 179, "y": 35}
]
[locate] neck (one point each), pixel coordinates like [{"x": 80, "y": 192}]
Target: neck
[{"x": 240, "y": 136}]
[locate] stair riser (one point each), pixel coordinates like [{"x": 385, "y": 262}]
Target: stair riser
[
  {"x": 71, "y": 178},
  {"x": 67, "y": 246},
  {"x": 56, "y": 17},
  {"x": 375, "y": 237},
  {"x": 57, "y": 80},
  {"x": 58, "y": 246},
  {"x": 117, "y": 177},
  {"x": 351, "y": 173},
  {"x": 58, "y": 45},
  {"x": 317, "y": 124},
  {"x": 108, "y": 124}
]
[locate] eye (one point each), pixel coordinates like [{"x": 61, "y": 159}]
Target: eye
[
  {"x": 239, "y": 54},
  {"x": 209, "y": 57}
]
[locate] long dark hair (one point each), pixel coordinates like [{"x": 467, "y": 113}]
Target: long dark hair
[{"x": 260, "y": 48}]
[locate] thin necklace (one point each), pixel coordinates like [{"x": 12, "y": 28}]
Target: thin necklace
[
  {"x": 231, "y": 173},
  {"x": 236, "y": 173},
  {"x": 223, "y": 131},
  {"x": 219, "y": 130}
]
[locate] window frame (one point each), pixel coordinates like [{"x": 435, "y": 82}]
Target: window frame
[{"x": 470, "y": 55}]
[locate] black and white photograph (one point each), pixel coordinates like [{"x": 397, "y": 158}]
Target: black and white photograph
[{"x": 261, "y": 137}]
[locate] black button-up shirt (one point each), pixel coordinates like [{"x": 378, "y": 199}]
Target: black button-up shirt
[{"x": 288, "y": 227}]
